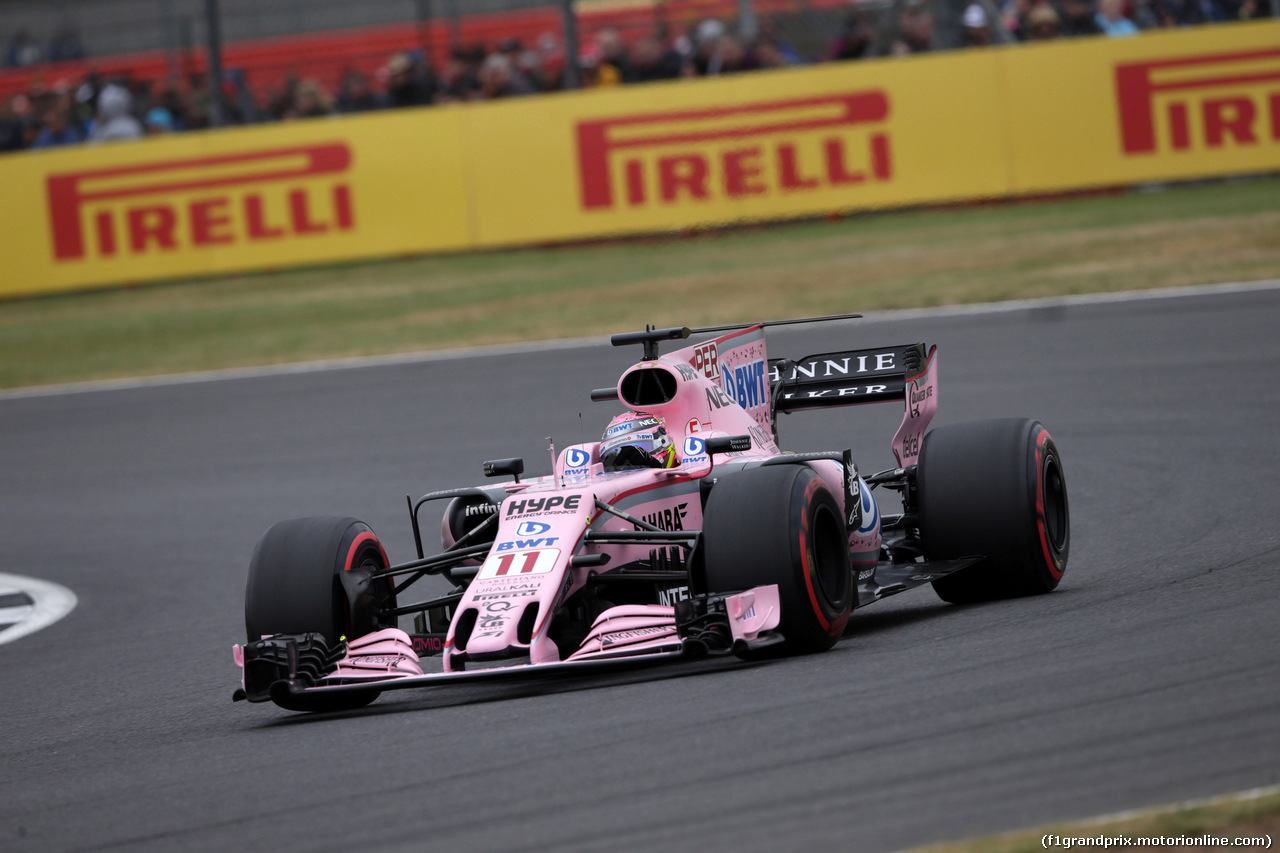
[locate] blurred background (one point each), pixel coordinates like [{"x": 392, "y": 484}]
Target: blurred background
[{"x": 292, "y": 59}]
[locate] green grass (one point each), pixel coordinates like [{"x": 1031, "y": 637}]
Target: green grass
[
  {"x": 1242, "y": 816},
  {"x": 1187, "y": 235}
]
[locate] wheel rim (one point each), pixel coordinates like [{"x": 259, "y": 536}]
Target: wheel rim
[
  {"x": 1055, "y": 504},
  {"x": 368, "y": 559},
  {"x": 829, "y": 557}
]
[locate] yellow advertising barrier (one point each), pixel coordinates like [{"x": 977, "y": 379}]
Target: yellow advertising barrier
[
  {"x": 926, "y": 129},
  {"x": 1157, "y": 107},
  {"x": 770, "y": 145},
  {"x": 763, "y": 146},
  {"x": 205, "y": 203}
]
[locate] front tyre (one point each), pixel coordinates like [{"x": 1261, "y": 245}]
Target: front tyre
[
  {"x": 313, "y": 575},
  {"x": 780, "y": 524},
  {"x": 994, "y": 489}
]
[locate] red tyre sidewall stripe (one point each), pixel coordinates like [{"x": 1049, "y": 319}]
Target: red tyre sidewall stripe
[
  {"x": 360, "y": 539},
  {"x": 810, "y": 489},
  {"x": 808, "y": 582}
]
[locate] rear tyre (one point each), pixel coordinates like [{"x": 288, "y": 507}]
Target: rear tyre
[
  {"x": 312, "y": 575},
  {"x": 780, "y": 524},
  {"x": 997, "y": 489}
]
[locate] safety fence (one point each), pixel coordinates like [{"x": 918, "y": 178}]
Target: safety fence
[
  {"x": 269, "y": 44},
  {"x": 985, "y": 123}
]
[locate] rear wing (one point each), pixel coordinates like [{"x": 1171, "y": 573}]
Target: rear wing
[
  {"x": 908, "y": 373},
  {"x": 847, "y": 378},
  {"x": 737, "y": 364}
]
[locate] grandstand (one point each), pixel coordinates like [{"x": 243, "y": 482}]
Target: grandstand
[{"x": 324, "y": 39}]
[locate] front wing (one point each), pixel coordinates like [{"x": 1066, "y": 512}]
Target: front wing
[{"x": 628, "y": 635}]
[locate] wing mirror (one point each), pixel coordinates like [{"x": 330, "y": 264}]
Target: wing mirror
[
  {"x": 499, "y": 467},
  {"x": 728, "y": 444}
]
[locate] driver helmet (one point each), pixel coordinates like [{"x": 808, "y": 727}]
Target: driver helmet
[{"x": 636, "y": 440}]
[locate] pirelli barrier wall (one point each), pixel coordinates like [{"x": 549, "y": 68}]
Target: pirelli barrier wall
[{"x": 963, "y": 125}]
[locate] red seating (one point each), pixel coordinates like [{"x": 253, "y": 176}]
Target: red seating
[{"x": 326, "y": 56}]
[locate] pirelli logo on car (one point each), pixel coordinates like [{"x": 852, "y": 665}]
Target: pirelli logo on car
[
  {"x": 1204, "y": 102},
  {"x": 767, "y": 149},
  {"x": 238, "y": 199}
]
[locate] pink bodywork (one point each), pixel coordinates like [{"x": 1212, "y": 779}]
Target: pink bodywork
[
  {"x": 921, "y": 404},
  {"x": 378, "y": 656},
  {"x": 635, "y": 628},
  {"x": 721, "y": 389},
  {"x": 628, "y": 629},
  {"x": 542, "y": 524}
]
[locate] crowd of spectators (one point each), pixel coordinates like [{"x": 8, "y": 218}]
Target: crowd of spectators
[
  {"x": 1029, "y": 20},
  {"x": 67, "y": 112}
]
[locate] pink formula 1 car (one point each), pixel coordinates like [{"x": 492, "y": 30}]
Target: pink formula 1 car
[{"x": 733, "y": 546}]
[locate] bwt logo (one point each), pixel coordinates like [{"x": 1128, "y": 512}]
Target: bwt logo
[
  {"x": 1176, "y": 104},
  {"x": 694, "y": 447},
  {"x": 746, "y": 385},
  {"x": 136, "y": 209},
  {"x": 532, "y": 528},
  {"x": 761, "y": 149}
]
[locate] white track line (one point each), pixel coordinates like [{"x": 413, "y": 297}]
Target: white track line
[
  {"x": 579, "y": 343},
  {"x": 1081, "y": 299},
  {"x": 1090, "y": 823},
  {"x": 52, "y": 602},
  {"x": 1132, "y": 814}
]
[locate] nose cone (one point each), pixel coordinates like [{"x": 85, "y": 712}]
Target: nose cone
[{"x": 506, "y": 603}]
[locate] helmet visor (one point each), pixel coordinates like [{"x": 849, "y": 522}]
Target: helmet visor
[
  {"x": 629, "y": 457},
  {"x": 637, "y": 450}
]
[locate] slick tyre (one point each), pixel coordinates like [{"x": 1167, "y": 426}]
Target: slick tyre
[
  {"x": 994, "y": 489},
  {"x": 312, "y": 575},
  {"x": 780, "y": 524}
]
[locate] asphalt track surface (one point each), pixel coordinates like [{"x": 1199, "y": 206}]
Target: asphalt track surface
[{"x": 1151, "y": 676}]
